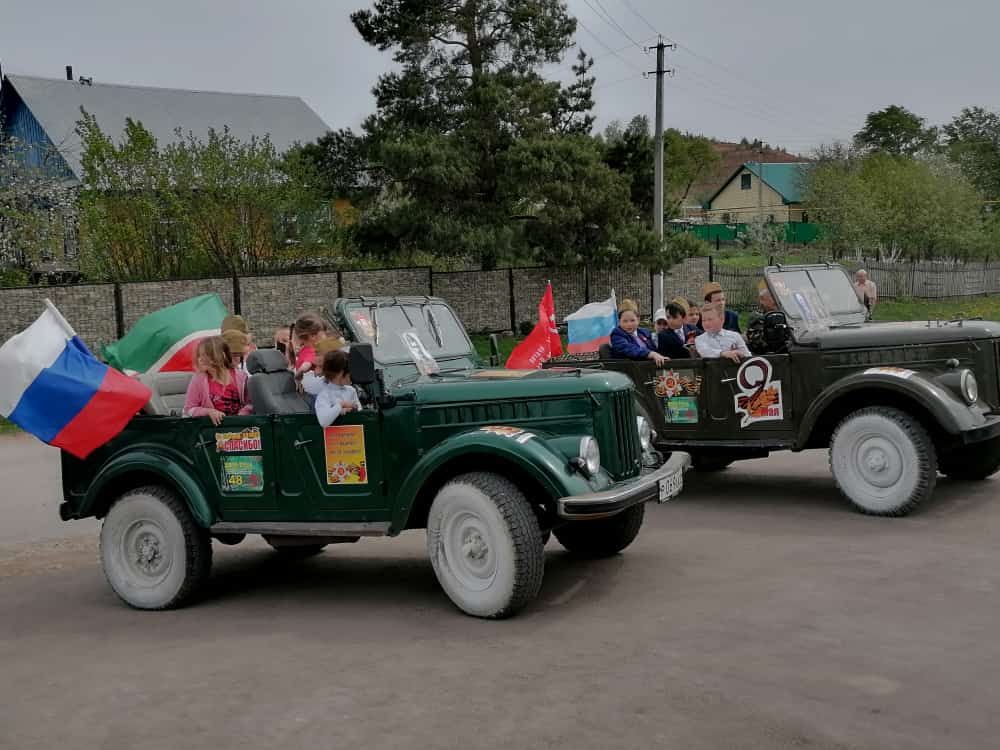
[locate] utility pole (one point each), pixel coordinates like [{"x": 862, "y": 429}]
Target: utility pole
[
  {"x": 760, "y": 184},
  {"x": 658, "y": 165}
]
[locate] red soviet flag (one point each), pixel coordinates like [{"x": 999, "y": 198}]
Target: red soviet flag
[
  {"x": 548, "y": 304},
  {"x": 543, "y": 342}
]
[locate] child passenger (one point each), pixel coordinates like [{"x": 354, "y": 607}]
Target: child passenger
[
  {"x": 307, "y": 331},
  {"x": 337, "y": 396},
  {"x": 716, "y": 341},
  {"x": 217, "y": 389}
]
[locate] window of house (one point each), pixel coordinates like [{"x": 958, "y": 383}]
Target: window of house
[{"x": 745, "y": 181}]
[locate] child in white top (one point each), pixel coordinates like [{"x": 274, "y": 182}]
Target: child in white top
[
  {"x": 717, "y": 342},
  {"x": 337, "y": 396}
]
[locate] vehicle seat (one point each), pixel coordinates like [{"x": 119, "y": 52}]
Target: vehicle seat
[
  {"x": 272, "y": 384},
  {"x": 604, "y": 351},
  {"x": 169, "y": 392}
]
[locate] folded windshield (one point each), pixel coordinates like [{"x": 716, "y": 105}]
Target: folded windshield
[
  {"x": 434, "y": 324},
  {"x": 818, "y": 297}
]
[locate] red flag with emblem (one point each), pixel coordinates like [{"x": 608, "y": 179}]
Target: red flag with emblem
[
  {"x": 542, "y": 343},
  {"x": 548, "y": 304}
]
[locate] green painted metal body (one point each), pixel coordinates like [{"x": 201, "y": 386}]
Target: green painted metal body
[{"x": 419, "y": 431}]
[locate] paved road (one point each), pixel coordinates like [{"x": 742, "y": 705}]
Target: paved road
[{"x": 756, "y": 611}]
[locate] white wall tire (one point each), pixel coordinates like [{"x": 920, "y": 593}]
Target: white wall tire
[
  {"x": 485, "y": 545},
  {"x": 883, "y": 461},
  {"x": 154, "y": 554}
]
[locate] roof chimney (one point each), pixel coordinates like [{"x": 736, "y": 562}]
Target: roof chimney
[{"x": 69, "y": 72}]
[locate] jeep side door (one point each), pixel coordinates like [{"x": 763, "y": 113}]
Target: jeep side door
[
  {"x": 237, "y": 466},
  {"x": 699, "y": 402},
  {"x": 333, "y": 474}
]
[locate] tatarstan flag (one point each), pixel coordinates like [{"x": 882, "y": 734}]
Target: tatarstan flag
[{"x": 165, "y": 340}]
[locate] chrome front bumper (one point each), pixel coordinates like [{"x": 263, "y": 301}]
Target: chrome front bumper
[{"x": 624, "y": 495}]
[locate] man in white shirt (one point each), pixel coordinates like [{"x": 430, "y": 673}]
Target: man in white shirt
[
  {"x": 865, "y": 289},
  {"x": 716, "y": 341}
]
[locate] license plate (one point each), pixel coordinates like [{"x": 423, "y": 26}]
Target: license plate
[{"x": 671, "y": 486}]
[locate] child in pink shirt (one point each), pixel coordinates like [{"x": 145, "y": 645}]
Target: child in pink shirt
[{"x": 217, "y": 389}]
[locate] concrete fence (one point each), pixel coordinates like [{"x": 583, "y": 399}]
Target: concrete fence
[{"x": 486, "y": 301}]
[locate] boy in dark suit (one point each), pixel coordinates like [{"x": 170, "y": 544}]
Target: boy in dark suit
[{"x": 671, "y": 337}]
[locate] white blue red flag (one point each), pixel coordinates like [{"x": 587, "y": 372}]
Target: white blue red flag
[
  {"x": 591, "y": 325},
  {"x": 54, "y": 388}
]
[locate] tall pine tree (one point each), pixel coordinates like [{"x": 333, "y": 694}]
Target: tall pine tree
[{"x": 444, "y": 153}]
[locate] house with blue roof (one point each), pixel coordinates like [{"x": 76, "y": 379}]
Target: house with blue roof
[{"x": 769, "y": 191}]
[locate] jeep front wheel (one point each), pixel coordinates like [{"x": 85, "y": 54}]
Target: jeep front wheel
[
  {"x": 602, "y": 538},
  {"x": 154, "y": 554},
  {"x": 973, "y": 462},
  {"x": 485, "y": 545},
  {"x": 883, "y": 461}
]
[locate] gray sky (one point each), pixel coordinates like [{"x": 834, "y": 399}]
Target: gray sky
[{"x": 794, "y": 73}]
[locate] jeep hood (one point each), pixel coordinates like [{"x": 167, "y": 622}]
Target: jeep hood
[
  {"x": 493, "y": 384},
  {"x": 896, "y": 334}
]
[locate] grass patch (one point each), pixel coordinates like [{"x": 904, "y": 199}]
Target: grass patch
[
  {"x": 7, "y": 428},
  {"x": 987, "y": 308}
]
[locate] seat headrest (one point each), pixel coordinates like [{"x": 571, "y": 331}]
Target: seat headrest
[{"x": 266, "y": 360}]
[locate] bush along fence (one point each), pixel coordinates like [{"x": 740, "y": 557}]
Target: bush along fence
[
  {"x": 486, "y": 301},
  {"x": 927, "y": 281}
]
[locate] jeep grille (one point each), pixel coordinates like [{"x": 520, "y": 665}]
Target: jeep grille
[{"x": 623, "y": 457}]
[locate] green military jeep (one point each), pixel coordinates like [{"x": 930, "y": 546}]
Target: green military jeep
[
  {"x": 489, "y": 461},
  {"x": 894, "y": 402}
]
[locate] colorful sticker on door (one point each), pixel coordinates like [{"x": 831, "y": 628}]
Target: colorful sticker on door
[
  {"x": 760, "y": 397},
  {"x": 243, "y": 473},
  {"x": 346, "y": 462},
  {"x": 670, "y": 383},
  {"x": 238, "y": 442},
  {"x": 682, "y": 410}
]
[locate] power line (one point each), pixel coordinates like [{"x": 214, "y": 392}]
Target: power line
[
  {"x": 607, "y": 46},
  {"x": 610, "y": 20},
  {"x": 642, "y": 18}
]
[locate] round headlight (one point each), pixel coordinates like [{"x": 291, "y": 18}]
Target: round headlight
[
  {"x": 645, "y": 434},
  {"x": 590, "y": 454},
  {"x": 970, "y": 387}
]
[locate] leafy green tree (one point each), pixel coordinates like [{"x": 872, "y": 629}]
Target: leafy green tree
[
  {"x": 193, "y": 206},
  {"x": 687, "y": 159},
  {"x": 895, "y": 130},
  {"x": 896, "y": 206},
  {"x": 972, "y": 141}
]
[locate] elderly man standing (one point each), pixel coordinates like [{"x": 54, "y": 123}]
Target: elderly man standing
[{"x": 865, "y": 289}]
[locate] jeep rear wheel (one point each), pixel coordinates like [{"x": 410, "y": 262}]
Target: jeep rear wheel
[
  {"x": 973, "y": 462},
  {"x": 883, "y": 461},
  {"x": 485, "y": 545},
  {"x": 154, "y": 554},
  {"x": 602, "y": 538}
]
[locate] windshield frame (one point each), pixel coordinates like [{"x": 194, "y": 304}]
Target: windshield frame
[
  {"x": 346, "y": 306},
  {"x": 825, "y": 318}
]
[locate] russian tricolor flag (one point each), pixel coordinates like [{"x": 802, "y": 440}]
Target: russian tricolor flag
[
  {"x": 591, "y": 325},
  {"x": 54, "y": 388}
]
